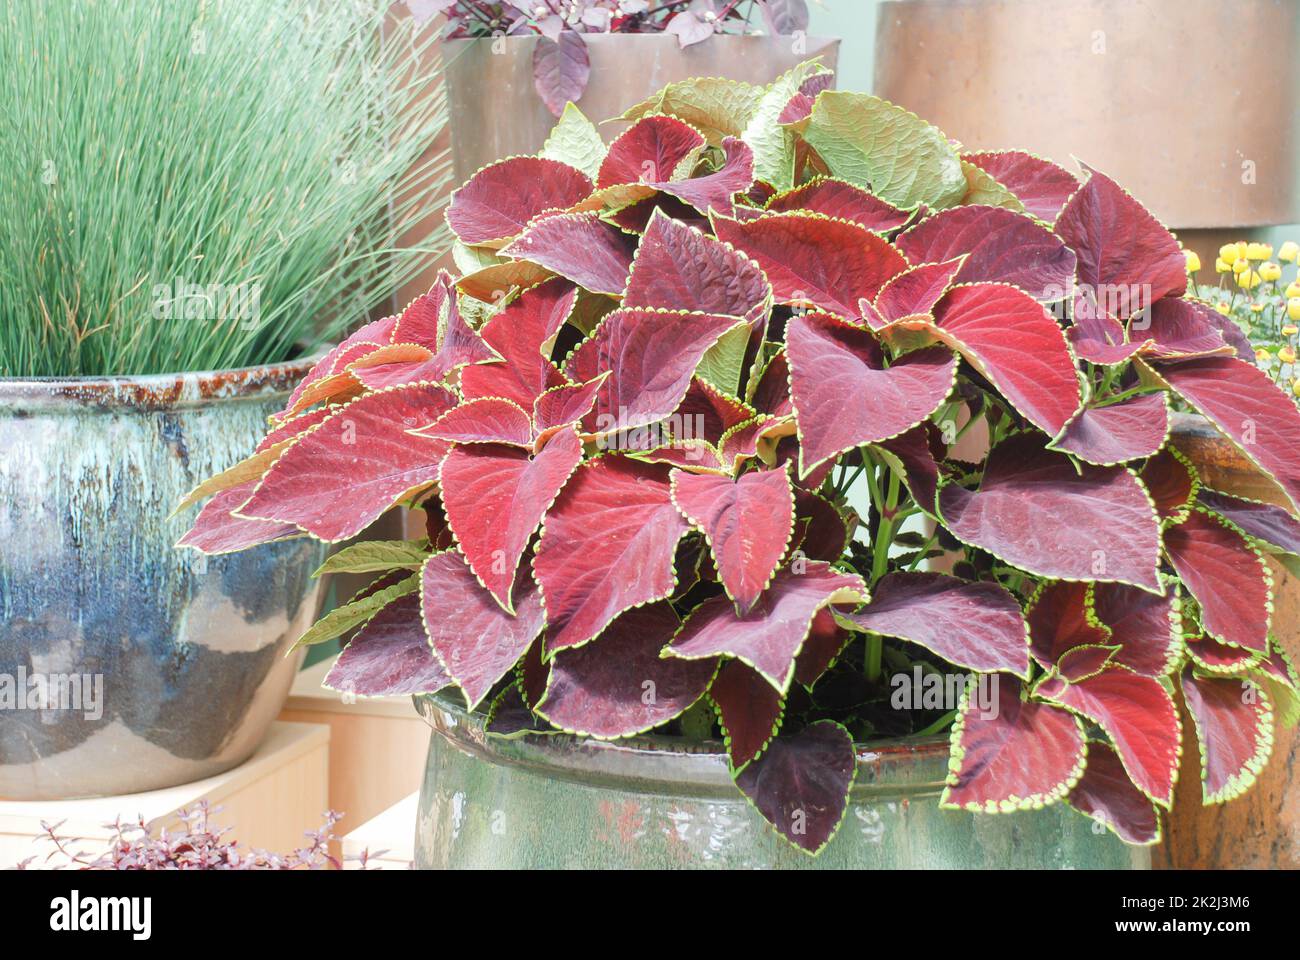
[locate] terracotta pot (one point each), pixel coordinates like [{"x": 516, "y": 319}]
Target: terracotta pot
[
  {"x": 495, "y": 111},
  {"x": 1188, "y": 103},
  {"x": 1261, "y": 828},
  {"x": 189, "y": 651},
  {"x": 558, "y": 801}
]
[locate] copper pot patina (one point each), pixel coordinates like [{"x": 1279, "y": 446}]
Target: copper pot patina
[
  {"x": 1190, "y": 104},
  {"x": 1262, "y": 827},
  {"x": 495, "y": 110},
  {"x": 173, "y": 663},
  {"x": 557, "y": 801}
]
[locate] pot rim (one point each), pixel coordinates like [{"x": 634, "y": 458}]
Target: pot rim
[
  {"x": 648, "y": 37},
  {"x": 907, "y": 767},
  {"x": 155, "y": 391}
]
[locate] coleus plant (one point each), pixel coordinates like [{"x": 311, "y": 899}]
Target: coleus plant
[
  {"x": 561, "y": 64},
  {"x": 685, "y": 430}
]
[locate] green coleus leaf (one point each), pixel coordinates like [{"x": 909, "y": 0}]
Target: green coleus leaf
[
  {"x": 356, "y": 612},
  {"x": 871, "y": 142},
  {"x": 774, "y": 144},
  {"x": 715, "y": 106},
  {"x": 373, "y": 556},
  {"x": 575, "y": 140}
]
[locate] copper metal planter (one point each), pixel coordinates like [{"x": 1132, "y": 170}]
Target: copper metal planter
[
  {"x": 190, "y": 650},
  {"x": 1185, "y": 102},
  {"x": 495, "y": 111}
]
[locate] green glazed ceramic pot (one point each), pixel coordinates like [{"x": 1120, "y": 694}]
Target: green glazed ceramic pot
[{"x": 650, "y": 803}]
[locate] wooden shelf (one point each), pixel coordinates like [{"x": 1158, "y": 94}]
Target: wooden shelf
[{"x": 389, "y": 837}]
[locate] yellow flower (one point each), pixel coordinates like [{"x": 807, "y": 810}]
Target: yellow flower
[
  {"x": 1290, "y": 250},
  {"x": 1257, "y": 307},
  {"x": 1232, "y": 252},
  {"x": 1290, "y": 331},
  {"x": 1294, "y": 289},
  {"x": 1222, "y": 307},
  {"x": 1259, "y": 251},
  {"x": 1248, "y": 279},
  {"x": 1270, "y": 271},
  {"x": 1240, "y": 265},
  {"x": 1263, "y": 355},
  {"x": 1293, "y": 309},
  {"x": 1222, "y": 266},
  {"x": 1286, "y": 355},
  {"x": 1295, "y": 387},
  {"x": 1193, "y": 261}
]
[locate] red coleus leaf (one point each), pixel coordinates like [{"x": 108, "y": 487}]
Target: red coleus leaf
[
  {"x": 747, "y": 523},
  {"x": 1140, "y": 718},
  {"x": 912, "y": 292},
  {"x": 1261, "y": 521},
  {"x": 1172, "y": 483},
  {"x": 485, "y": 420},
  {"x": 217, "y": 529},
  {"x": 826, "y": 641},
  {"x": 1234, "y": 725},
  {"x": 607, "y": 545},
  {"x": 844, "y": 395},
  {"x": 1106, "y": 794},
  {"x": 1146, "y": 627},
  {"x": 1175, "y": 328},
  {"x": 816, "y": 260},
  {"x": 652, "y": 355},
  {"x": 495, "y": 498},
  {"x": 823, "y": 533},
  {"x": 697, "y": 456},
  {"x": 706, "y": 413},
  {"x": 590, "y": 252},
  {"x": 1000, "y": 246},
  {"x": 770, "y": 636},
  {"x": 1118, "y": 432},
  {"x": 1061, "y": 618},
  {"x": 1229, "y": 579},
  {"x": 1126, "y": 258},
  {"x": 679, "y": 267},
  {"x": 769, "y": 392},
  {"x": 1080, "y": 663},
  {"x": 1034, "y": 510},
  {"x": 1011, "y": 754},
  {"x": 1097, "y": 336},
  {"x": 329, "y": 379},
  {"x": 1014, "y": 342},
  {"x": 523, "y": 334},
  {"x": 749, "y": 710},
  {"x": 563, "y": 405},
  {"x": 502, "y": 198},
  {"x": 801, "y": 783},
  {"x": 1219, "y": 658},
  {"x": 655, "y": 148},
  {"x": 1249, "y": 408},
  {"x": 974, "y": 625},
  {"x": 714, "y": 191},
  {"x": 475, "y": 640},
  {"x": 619, "y": 685},
  {"x": 561, "y": 68},
  {"x": 842, "y": 201},
  {"x": 915, "y": 454},
  {"x": 1042, "y": 186},
  {"x": 340, "y": 477},
  {"x": 389, "y": 656}
]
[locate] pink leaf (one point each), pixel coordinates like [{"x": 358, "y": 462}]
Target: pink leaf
[
  {"x": 1106, "y": 794},
  {"x": 1019, "y": 755},
  {"x": 614, "y": 517},
  {"x": 1000, "y": 246},
  {"x": 747, "y": 523},
  {"x": 560, "y": 70},
  {"x": 1042, "y": 186},
  {"x": 840, "y": 200},
  {"x": 593, "y": 254},
  {"x": 1061, "y": 619},
  {"x": 342, "y": 476},
  {"x": 502, "y": 198},
  {"x": 916, "y": 291},
  {"x": 496, "y": 496},
  {"x": 475, "y": 640},
  {"x": 1126, "y": 258},
  {"x": 770, "y": 636},
  {"x": 1147, "y": 628},
  {"x": 600, "y": 690},
  {"x": 522, "y": 334},
  {"x": 1228, "y": 578},
  {"x": 217, "y": 529},
  {"x": 1117, "y": 432},
  {"x": 1035, "y": 511},
  {"x": 389, "y": 656},
  {"x": 655, "y": 148},
  {"x": 1261, "y": 521},
  {"x": 1234, "y": 723},
  {"x": 714, "y": 191},
  {"x": 485, "y": 420},
  {"x": 748, "y": 709},
  {"x": 832, "y": 361},
  {"x": 812, "y": 259},
  {"x": 974, "y": 625}
]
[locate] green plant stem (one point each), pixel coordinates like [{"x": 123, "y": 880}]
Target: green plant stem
[{"x": 938, "y": 725}]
